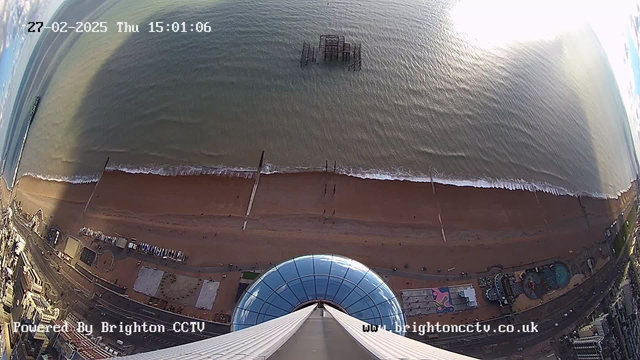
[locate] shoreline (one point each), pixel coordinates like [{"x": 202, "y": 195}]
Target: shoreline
[
  {"x": 307, "y": 202},
  {"x": 380, "y": 223},
  {"x": 371, "y": 174}
]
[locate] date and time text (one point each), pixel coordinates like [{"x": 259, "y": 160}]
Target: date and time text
[{"x": 120, "y": 26}]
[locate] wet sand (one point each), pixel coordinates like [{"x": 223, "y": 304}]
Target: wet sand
[{"x": 152, "y": 194}]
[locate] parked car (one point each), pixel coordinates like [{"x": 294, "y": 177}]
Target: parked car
[{"x": 54, "y": 236}]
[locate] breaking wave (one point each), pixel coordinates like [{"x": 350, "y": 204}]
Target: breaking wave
[
  {"x": 184, "y": 170},
  {"x": 373, "y": 174},
  {"x": 484, "y": 183},
  {"x": 79, "y": 179}
]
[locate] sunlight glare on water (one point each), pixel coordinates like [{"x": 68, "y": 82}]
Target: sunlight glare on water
[{"x": 496, "y": 23}]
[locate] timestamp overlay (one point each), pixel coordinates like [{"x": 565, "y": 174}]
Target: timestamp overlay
[{"x": 120, "y": 27}]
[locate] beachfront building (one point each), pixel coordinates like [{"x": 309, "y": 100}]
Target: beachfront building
[
  {"x": 5, "y": 341},
  {"x": 626, "y": 326},
  {"x": 30, "y": 279},
  {"x": 601, "y": 325},
  {"x": 34, "y": 310},
  {"x": 36, "y": 224},
  {"x": 446, "y": 299},
  {"x": 588, "y": 348},
  {"x": 76, "y": 345},
  {"x": 26, "y": 281},
  {"x": 26, "y": 278}
]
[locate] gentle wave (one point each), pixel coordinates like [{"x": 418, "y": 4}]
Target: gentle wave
[
  {"x": 483, "y": 183},
  {"x": 79, "y": 179},
  {"x": 373, "y": 174},
  {"x": 184, "y": 170}
]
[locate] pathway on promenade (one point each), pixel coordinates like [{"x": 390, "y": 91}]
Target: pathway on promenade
[
  {"x": 223, "y": 268},
  {"x": 382, "y": 271}
]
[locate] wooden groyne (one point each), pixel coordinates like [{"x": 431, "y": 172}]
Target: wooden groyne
[
  {"x": 95, "y": 187},
  {"x": 253, "y": 191}
]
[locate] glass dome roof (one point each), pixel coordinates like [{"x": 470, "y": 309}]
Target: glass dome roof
[{"x": 342, "y": 282}]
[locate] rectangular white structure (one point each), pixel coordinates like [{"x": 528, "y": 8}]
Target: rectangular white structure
[
  {"x": 208, "y": 294},
  {"x": 148, "y": 281}
]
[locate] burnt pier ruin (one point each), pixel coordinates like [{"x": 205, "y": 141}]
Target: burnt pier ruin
[{"x": 332, "y": 48}]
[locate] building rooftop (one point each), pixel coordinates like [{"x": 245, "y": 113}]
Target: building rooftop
[
  {"x": 86, "y": 347},
  {"x": 587, "y": 340},
  {"x": 344, "y": 283},
  {"x": 310, "y": 333}
]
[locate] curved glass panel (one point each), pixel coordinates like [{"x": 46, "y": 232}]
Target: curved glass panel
[{"x": 340, "y": 281}]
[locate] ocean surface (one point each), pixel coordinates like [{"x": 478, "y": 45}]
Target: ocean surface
[
  {"x": 435, "y": 99},
  {"x": 16, "y": 47}
]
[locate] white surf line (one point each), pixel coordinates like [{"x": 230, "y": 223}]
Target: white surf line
[
  {"x": 433, "y": 188},
  {"x": 253, "y": 192}
]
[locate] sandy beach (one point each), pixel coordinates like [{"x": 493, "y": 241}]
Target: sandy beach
[{"x": 381, "y": 223}]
